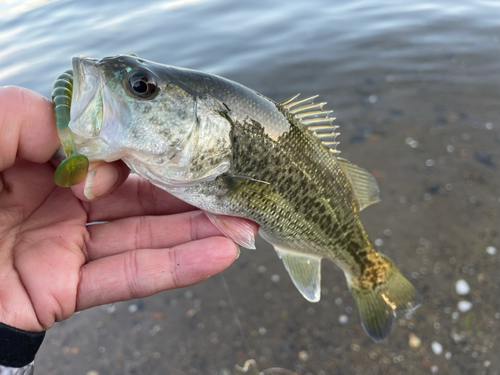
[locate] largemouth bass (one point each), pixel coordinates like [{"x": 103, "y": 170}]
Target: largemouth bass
[{"x": 232, "y": 152}]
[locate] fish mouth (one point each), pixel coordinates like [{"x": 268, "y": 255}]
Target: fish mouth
[{"x": 85, "y": 83}]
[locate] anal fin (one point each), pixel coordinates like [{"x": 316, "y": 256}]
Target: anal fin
[
  {"x": 305, "y": 271},
  {"x": 234, "y": 228}
]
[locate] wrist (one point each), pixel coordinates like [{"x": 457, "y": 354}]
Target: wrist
[{"x": 18, "y": 347}]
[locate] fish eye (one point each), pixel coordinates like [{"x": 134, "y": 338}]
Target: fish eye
[{"x": 142, "y": 84}]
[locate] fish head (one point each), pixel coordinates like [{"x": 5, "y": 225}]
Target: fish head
[{"x": 164, "y": 126}]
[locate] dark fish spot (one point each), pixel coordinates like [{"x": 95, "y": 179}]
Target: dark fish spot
[{"x": 484, "y": 158}]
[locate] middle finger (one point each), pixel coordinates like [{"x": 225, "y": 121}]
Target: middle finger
[{"x": 146, "y": 232}]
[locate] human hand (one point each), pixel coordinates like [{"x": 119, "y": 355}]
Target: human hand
[{"x": 52, "y": 263}]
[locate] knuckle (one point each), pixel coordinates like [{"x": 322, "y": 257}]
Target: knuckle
[
  {"x": 143, "y": 233},
  {"x": 174, "y": 268},
  {"x": 132, "y": 274}
]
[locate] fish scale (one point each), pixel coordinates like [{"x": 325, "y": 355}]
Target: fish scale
[
  {"x": 306, "y": 186},
  {"x": 232, "y": 152}
]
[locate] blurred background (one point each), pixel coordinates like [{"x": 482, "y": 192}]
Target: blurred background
[{"x": 415, "y": 88}]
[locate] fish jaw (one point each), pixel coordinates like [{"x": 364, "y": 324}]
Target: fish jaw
[{"x": 94, "y": 112}]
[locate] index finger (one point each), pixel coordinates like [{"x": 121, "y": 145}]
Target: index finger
[
  {"x": 27, "y": 128},
  {"x": 136, "y": 197}
]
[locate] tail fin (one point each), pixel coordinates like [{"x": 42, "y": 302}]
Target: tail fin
[{"x": 379, "y": 303}]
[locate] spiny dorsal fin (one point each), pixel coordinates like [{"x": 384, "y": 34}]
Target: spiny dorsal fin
[
  {"x": 363, "y": 183},
  {"x": 312, "y": 119}
]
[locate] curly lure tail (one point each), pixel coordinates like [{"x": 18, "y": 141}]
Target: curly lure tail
[{"x": 74, "y": 168}]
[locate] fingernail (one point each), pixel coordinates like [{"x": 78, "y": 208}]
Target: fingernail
[
  {"x": 239, "y": 252},
  {"x": 99, "y": 181}
]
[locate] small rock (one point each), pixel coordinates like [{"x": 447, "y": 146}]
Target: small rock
[
  {"x": 414, "y": 341},
  {"x": 303, "y": 356},
  {"x": 464, "y": 306},
  {"x": 462, "y": 287},
  {"x": 437, "y": 348},
  {"x": 484, "y": 158},
  {"x": 491, "y": 250}
]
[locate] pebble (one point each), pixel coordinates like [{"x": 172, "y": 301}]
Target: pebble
[
  {"x": 437, "y": 348},
  {"x": 491, "y": 250},
  {"x": 411, "y": 142},
  {"x": 414, "y": 341},
  {"x": 275, "y": 278},
  {"x": 379, "y": 242},
  {"x": 132, "y": 308},
  {"x": 429, "y": 162},
  {"x": 464, "y": 306},
  {"x": 447, "y": 355},
  {"x": 303, "y": 356},
  {"x": 462, "y": 287},
  {"x": 343, "y": 319},
  {"x": 372, "y": 98}
]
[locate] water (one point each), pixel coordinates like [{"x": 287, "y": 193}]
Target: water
[{"x": 415, "y": 88}]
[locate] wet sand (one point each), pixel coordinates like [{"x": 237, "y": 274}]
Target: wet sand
[{"x": 438, "y": 215}]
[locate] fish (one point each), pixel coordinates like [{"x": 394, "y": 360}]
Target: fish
[{"x": 233, "y": 152}]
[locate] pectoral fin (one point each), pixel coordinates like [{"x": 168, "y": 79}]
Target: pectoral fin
[
  {"x": 234, "y": 228},
  {"x": 305, "y": 271}
]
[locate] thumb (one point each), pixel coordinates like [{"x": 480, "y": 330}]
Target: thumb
[{"x": 102, "y": 179}]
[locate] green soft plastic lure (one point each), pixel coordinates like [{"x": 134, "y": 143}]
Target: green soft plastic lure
[{"x": 74, "y": 168}]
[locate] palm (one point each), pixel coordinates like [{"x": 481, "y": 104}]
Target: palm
[
  {"x": 42, "y": 235},
  {"x": 52, "y": 264}
]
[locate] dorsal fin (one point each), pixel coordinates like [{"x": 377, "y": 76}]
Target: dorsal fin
[
  {"x": 312, "y": 120},
  {"x": 363, "y": 183}
]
